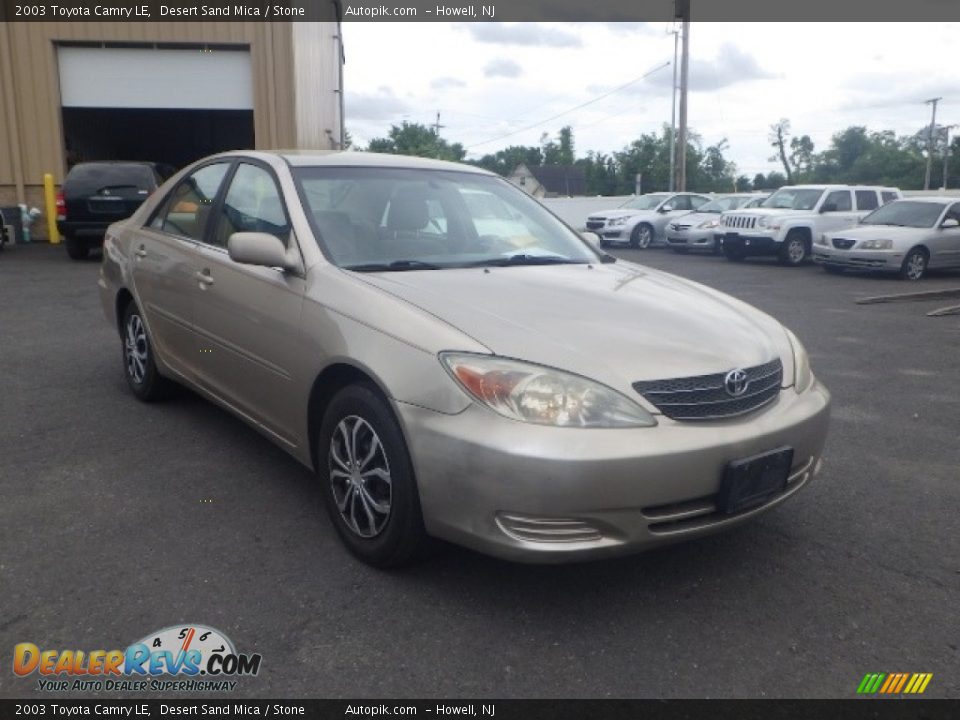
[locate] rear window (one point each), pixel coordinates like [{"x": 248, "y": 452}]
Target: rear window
[{"x": 94, "y": 178}]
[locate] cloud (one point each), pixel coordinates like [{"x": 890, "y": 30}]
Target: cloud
[
  {"x": 379, "y": 106},
  {"x": 631, "y": 28},
  {"x": 529, "y": 34},
  {"x": 731, "y": 66},
  {"x": 447, "y": 83},
  {"x": 502, "y": 67}
]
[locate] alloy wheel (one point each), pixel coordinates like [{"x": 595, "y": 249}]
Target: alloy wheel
[
  {"x": 360, "y": 477},
  {"x": 136, "y": 349},
  {"x": 916, "y": 265}
]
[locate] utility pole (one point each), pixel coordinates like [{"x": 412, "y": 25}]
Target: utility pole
[
  {"x": 946, "y": 153},
  {"x": 673, "y": 113},
  {"x": 437, "y": 125},
  {"x": 933, "y": 125},
  {"x": 684, "y": 7}
]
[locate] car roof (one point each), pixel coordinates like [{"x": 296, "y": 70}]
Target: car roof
[
  {"x": 929, "y": 198},
  {"x": 839, "y": 187},
  {"x": 353, "y": 158}
]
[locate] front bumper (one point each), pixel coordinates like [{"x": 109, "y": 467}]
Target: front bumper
[
  {"x": 751, "y": 244},
  {"x": 880, "y": 260},
  {"x": 692, "y": 238},
  {"x": 542, "y": 494}
]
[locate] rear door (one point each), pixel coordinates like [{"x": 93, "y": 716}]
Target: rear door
[
  {"x": 248, "y": 317},
  {"x": 944, "y": 243},
  {"x": 164, "y": 256}
]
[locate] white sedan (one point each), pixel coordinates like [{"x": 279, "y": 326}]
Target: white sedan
[{"x": 905, "y": 236}]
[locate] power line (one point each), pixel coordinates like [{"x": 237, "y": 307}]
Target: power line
[{"x": 567, "y": 112}]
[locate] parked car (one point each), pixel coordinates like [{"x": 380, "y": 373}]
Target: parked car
[
  {"x": 787, "y": 222},
  {"x": 543, "y": 404},
  {"x": 96, "y": 194},
  {"x": 642, "y": 221},
  {"x": 698, "y": 230},
  {"x": 906, "y": 237}
]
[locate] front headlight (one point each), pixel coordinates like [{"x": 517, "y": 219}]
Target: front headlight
[
  {"x": 617, "y": 221},
  {"x": 709, "y": 223},
  {"x": 541, "y": 395},
  {"x": 769, "y": 223},
  {"x": 875, "y": 245},
  {"x": 802, "y": 374}
]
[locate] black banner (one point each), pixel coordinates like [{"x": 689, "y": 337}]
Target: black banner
[
  {"x": 854, "y": 11},
  {"x": 857, "y": 709}
]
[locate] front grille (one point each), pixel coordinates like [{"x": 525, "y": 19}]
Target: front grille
[
  {"x": 739, "y": 221},
  {"x": 594, "y": 224},
  {"x": 705, "y": 397},
  {"x": 843, "y": 243}
]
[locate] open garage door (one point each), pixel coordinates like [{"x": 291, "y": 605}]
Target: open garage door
[{"x": 164, "y": 105}]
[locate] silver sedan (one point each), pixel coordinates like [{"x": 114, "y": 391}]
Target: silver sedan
[
  {"x": 503, "y": 386},
  {"x": 905, "y": 237}
]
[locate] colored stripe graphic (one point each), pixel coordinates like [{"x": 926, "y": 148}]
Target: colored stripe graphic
[{"x": 894, "y": 683}]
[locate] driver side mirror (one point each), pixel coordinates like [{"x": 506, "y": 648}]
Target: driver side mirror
[
  {"x": 263, "y": 249},
  {"x": 594, "y": 241},
  {"x": 665, "y": 208},
  {"x": 950, "y": 222}
]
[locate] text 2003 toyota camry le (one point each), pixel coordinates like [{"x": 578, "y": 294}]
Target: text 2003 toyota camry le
[{"x": 454, "y": 361}]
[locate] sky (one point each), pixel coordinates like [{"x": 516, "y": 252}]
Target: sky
[{"x": 491, "y": 80}]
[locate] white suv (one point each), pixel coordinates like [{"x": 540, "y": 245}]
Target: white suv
[{"x": 787, "y": 222}]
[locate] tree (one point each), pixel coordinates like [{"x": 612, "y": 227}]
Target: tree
[
  {"x": 503, "y": 162},
  {"x": 779, "y": 132},
  {"x": 801, "y": 156},
  {"x": 419, "y": 140}
]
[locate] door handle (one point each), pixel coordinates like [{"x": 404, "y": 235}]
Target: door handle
[
  {"x": 141, "y": 252},
  {"x": 203, "y": 276}
]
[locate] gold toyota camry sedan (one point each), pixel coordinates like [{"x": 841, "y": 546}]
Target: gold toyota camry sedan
[{"x": 454, "y": 361}]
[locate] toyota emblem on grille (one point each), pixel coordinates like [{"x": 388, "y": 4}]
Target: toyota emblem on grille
[{"x": 736, "y": 382}]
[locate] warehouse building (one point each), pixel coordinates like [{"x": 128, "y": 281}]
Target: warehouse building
[{"x": 168, "y": 92}]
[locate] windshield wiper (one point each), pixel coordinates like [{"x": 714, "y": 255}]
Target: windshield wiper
[
  {"x": 395, "y": 266},
  {"x": 525, "y": 259}
]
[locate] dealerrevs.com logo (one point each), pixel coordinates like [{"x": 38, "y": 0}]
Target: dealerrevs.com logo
[{"x": 180, "y": 657}]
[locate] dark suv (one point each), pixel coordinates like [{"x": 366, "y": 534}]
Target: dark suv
[{"x": 97, "y": 194}]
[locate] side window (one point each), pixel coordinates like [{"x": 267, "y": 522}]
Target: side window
[
  {"x": 696, "y": 201},
  {"x": 253, "y": 204},
  {"x": 681, "y": 202},
  {"x": 888, "y": 197},
  {"x": 187, "y": 209},
  {"x": 840, "y": 198},
  {"x": 867, "y": 200},
  {"x": 953, "y": 212}
]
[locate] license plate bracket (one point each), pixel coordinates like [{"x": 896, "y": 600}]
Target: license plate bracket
[{"x": 754, "y": 480}]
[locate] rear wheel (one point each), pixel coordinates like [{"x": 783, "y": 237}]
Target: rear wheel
[
  {"x": 642, "y": 236},
  {"x": 138, "y": 362},
  {"x": 794, "y": 249},
  {"x": 914, "y": 265},
  {"x": 76, "y": 249},
  {"x": 367, "y": 479}
]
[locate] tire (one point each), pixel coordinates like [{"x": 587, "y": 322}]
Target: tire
[
  {"x": 139, "y": 366},
  {"x": 717, "y": 247},
  {"x": 733, "y": 254},
  {"x": 376, "y": 511},
  {"x": 604, "y": 243},
  {"x": 794, "y": 251},
  {"x": 76, "y": 249},
  {"x": 641, "y": 237},
  {"x": 914, "y": 265}
]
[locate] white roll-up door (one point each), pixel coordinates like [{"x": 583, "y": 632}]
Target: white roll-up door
[{"x": 147, "y": 78}]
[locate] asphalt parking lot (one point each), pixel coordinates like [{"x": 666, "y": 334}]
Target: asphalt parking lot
[{"x": 120, "y": 518}]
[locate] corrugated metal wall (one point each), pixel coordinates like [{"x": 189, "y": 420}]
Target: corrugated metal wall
[{"x": 28, "y": 60}]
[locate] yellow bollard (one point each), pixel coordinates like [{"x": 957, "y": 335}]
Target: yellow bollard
[{"x": 50, "y": 198}]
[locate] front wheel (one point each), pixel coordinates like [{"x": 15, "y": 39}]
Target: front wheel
[
  {"x": 367, "y": 478},
  {"x": 914, "y": 265},
  {"x": 641, "y": 237},
  {"x": 794, "y": 249}
]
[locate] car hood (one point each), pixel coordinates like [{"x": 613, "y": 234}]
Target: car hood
[
  {"x": 769, "y": 212},
  {"x": 693, "y": 219},
  {"x": 880, "y": 232},
  {"x": 618, "y": 323}
]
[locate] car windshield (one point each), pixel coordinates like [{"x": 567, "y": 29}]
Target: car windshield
[
  {"x": 644, "y": 202},
  {"x": 389, "y": 219},
  {"x": 793, "y": 199},
  {"x": 723, "y": 204},
  {"x": 906, "y": 213}
]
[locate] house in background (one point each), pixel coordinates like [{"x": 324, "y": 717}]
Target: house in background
[{"x": 549, "y": 180}]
